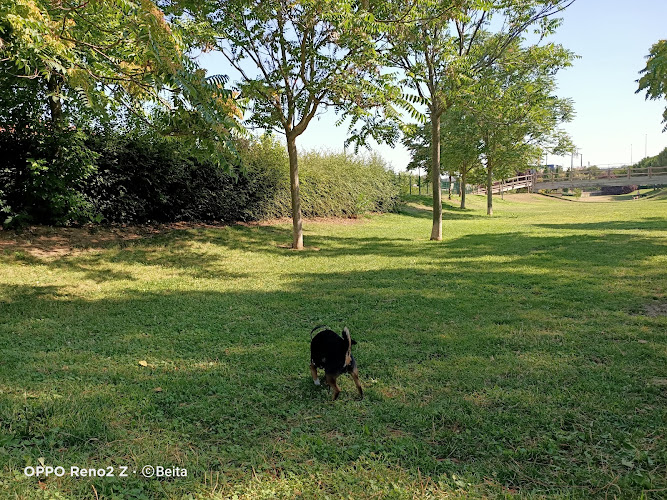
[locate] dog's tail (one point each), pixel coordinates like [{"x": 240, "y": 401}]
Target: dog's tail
[
  {"x": 316, "y": 328},
  {"x": 348, "y": 338}
]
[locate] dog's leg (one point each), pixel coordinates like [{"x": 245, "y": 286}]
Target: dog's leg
[
  {"x": 355, "y": 377},
  {"x": 313, "y": 370},
  {"x": 331, "y": 380}
]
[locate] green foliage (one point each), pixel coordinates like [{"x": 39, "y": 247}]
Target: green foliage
[
  {"x": 339, "y": 184},
  {"x": 140, "y": 177},
  {"x": 293, "y": 59},
  {"x": 659, "y": 160},
  {"x": 445, "y": 49},
  {"x": 43, "y": 175},
  {"x": 305, "y": 55},
  {"x": 92, "y": 59},
  {"x": 144, "y": 178},
  {"x": 654, "y": 79},
  {"x": 515, "y": 107},
  {"x": 506, "y": 118}
]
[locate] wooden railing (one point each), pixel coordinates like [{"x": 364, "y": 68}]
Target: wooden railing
[
  {"x": 533, "y": 181},
  {"x": 593, "y": 173},
  {"x": 518, "y": 182}
]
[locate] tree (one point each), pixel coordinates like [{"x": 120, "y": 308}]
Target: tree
[
  {"x": 460, "y": 150},
  {"x": 658, "y": 160},
  {"x": 295, "y": 58},
  {"x": 111, "y": 54},
  {"x": 459, "y": 146},
  {"x": 654, "y": 79},
  {"x": 516, "y": 110},
  {"x": 439, "y": 53}
]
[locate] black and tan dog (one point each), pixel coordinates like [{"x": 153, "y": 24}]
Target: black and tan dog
[{"x": 334, "y": 355}]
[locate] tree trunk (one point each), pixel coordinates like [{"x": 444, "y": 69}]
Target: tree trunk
[
  {"x": 462, "y": 187},
  {"x": 297, "y": 223},
  {"x": 53, "y": 85},
  {"x": 436, "y": 232},
  {"x": 489, "y": 190}
]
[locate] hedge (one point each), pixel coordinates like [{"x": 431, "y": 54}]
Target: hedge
[{"x": 144, "y": 178}]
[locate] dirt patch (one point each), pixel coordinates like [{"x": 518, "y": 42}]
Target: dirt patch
[
  {"x": 341, "y": 221},
  {"x": 656, "y": 309},
  {"x": 48, "y": 241}
]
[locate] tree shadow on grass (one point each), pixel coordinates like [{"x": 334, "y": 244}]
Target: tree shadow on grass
[
  {"x": 426, "y": 212},
  {"x": 172, "y": 251},
  {"x": 573, "y": 251},
  {"x": 467, "y": 363},
  {"x": 646, "y": 224},
  {"x": 186, "y": 252}
]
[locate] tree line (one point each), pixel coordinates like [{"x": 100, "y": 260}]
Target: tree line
[{"x": 476, "y": 76}]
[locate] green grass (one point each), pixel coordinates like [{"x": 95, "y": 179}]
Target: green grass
[{"x": 524, "y": 355}]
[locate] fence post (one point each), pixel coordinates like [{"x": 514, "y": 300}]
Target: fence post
[
  {"x": 649, "y": 171},
  {"x": 629, "y": 170}
]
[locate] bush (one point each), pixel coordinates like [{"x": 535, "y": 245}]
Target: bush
[
  {"x": 614, "y": 190},
  {"x": 43, "y": 174},
  {"x": 139, "y": 177},
  {"x": 143, "y": 178},
  {"x": 339, "y": 184}
]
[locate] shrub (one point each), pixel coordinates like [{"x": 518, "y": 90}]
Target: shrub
[
  {"x": 43, "y": 173},
  {"x": 145, "y": 178},
  {"x": 339, "y": 184},
  {"x": 140, "y": 177},
  {"x": 613, "y": 190}
]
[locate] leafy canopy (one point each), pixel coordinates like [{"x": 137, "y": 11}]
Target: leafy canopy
[
  {"x": 295, "y": 58},
  {"x": 110, "y": 54},
  {"x": 654, "y": 79}
]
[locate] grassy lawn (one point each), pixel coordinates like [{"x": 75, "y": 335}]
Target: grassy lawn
[
  {"x": 525, "y": 355},
  {"x": 659, "y": 193}
]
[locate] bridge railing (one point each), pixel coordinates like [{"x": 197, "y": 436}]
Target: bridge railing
[
  {"x": 575, "y": 174},
  {"x": 593, "y": 173},
  {"x": 520, "y": 181}
]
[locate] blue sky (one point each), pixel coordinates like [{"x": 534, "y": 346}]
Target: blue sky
[{"x": 612, "y": 125}]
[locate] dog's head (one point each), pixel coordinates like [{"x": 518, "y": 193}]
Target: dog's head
[{"x": 350, "y": 342}]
